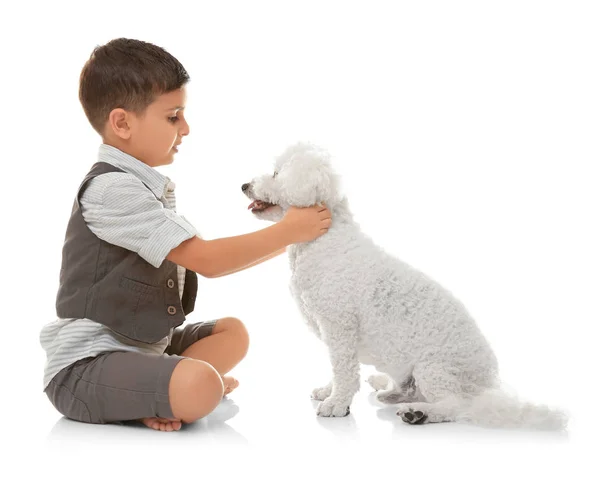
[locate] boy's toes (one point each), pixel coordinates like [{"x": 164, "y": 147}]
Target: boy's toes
[
  {"x": 162, "y": 424},
  {"x": 229, "y": 384}
]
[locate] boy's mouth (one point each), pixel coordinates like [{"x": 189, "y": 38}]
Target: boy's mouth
[{"x": 258, "y": 206}]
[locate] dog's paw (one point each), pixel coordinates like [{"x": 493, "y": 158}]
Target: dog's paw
[
  {"x": 412, "y": 417},
  {"x": 333, "y": 409},
  {"x": 378, "y": 381},
  {"x": 321, "y": 393}
]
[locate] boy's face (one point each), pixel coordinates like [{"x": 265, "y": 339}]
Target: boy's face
[{"x": 153, "y": 137}]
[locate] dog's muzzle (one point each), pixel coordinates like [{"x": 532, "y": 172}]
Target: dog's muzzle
[{"x": 256, "y": 205}]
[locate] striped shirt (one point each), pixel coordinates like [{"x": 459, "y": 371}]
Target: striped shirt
[{"x": 120, "y": 209}]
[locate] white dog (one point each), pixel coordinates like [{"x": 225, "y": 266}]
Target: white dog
[{"x": 369, "y": 307}]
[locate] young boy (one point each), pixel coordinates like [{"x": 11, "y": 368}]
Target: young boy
[{"x": 130, "y": 262}]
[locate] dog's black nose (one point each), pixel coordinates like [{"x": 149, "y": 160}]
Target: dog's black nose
[{"x": 245, "y": 186}]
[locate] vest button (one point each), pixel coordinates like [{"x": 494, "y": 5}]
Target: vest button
[
  {"x": 171, "y": 310},
  {"x": 171, "y": 283}
]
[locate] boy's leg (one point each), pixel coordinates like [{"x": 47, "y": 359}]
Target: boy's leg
[
  {"x": 122, "y": 386},
  {"x": 223, "y": 343}
]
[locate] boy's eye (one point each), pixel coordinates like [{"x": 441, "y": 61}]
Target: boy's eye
[{"x": 173, "y": 119}]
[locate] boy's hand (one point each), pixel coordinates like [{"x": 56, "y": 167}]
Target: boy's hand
[{"x": 306, "y": 224}]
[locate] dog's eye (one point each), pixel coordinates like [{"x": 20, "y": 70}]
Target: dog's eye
[{"x": 275, "y": 173}]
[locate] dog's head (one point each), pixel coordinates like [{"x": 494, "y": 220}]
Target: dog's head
[{"x": 302, "y": 176}]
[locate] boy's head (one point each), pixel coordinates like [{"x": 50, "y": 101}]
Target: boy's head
[{"x": 133, "y": 94}]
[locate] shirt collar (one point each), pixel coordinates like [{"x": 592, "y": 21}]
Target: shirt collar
[{"x": 156, "y": 181}]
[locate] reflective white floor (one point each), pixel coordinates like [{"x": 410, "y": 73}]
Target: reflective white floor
[{"x": 267, "y": 432}]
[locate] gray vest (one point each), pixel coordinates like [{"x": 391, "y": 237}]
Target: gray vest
[{"x": 115, "y": 286}]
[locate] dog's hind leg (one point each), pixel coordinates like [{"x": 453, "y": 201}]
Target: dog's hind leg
[
  {"x": 443, "y": 390},
  {"x": 443, "y": 411},
  {"x": 396, "y": 393}
]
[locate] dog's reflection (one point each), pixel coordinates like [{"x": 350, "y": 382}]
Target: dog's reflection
[{"x": 343, "y": 428}]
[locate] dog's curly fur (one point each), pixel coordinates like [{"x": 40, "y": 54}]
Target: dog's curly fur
[{"x": 369, "y": 307}]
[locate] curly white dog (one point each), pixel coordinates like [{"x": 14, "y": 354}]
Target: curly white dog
[{"x": 369, "y": 307}]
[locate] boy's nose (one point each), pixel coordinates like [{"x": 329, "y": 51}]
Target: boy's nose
[{"x": 245, "y": 186}]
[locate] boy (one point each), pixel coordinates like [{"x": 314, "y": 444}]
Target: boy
[{"x": 129, "y": 261}]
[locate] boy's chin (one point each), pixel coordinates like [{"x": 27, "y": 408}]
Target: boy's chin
[{"x": 271, "y": 214}]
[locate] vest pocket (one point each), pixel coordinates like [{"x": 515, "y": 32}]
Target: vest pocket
[
  {"x": 140, "y": 311},
  {"x": 139, "y": 287}
]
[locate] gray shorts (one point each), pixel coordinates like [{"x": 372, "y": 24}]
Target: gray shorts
[{"x": 122, "y": 386}]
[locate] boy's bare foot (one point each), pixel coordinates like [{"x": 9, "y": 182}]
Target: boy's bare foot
[
  {"x": 162, "y": 424},
  {"x": 229, "y": 384}
]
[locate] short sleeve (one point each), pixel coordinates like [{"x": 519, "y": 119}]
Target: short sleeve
[{"x": 121, "y": 210}]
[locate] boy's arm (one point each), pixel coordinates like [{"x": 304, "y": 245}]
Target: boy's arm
[
  {"x": 260, "y": 261},
  {"x": 223, "y": 256}
]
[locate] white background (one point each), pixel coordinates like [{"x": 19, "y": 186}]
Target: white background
[{"x": 466, "y": 134}]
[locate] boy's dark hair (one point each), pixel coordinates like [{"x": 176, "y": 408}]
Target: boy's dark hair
[{"x": 128, "y": 74}]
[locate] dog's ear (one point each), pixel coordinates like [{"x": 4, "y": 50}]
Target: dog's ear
[
  {"x": 327, "y": 184},
  {"x": 310, "y": 179}
]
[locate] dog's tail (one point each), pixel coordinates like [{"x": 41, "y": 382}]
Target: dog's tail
[{"x": 500, "y": 409}]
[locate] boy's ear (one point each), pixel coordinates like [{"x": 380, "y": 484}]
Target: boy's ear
[{"x": 119, "y": 123}]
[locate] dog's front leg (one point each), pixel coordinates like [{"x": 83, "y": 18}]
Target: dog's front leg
[
  {"x": 341, "y": 342},
  {"x": 310, "y": 322},
  {"x": 303, "y": 309}
]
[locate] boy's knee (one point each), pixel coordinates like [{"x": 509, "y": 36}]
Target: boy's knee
[
  {"x": 195, "y": 390},
  {"x": 239, "y": 333}
]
